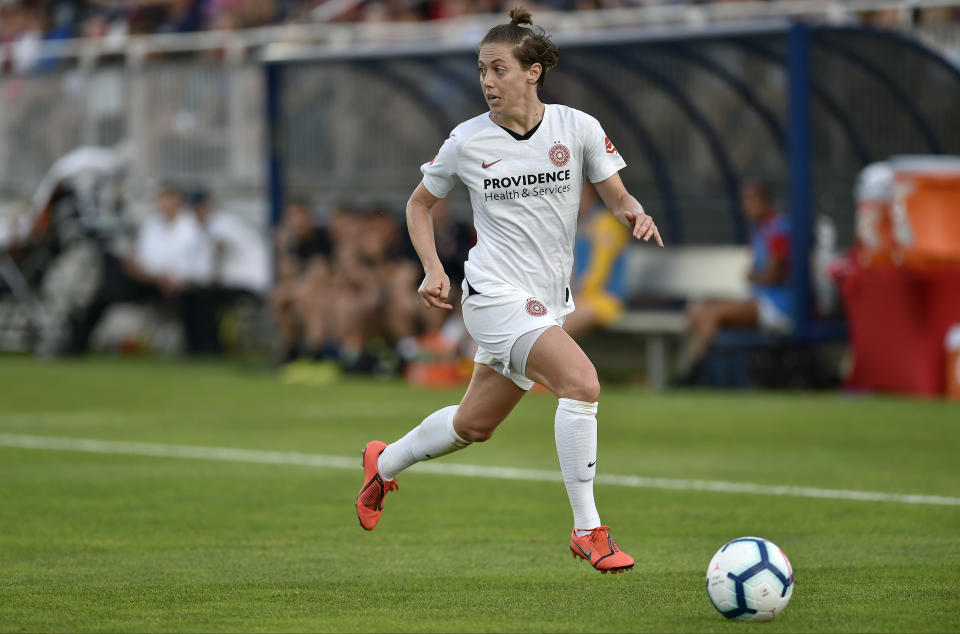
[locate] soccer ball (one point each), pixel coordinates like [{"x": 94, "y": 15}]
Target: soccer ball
[{"x": 750, "y": 579}]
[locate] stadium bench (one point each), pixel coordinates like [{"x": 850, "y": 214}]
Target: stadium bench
[{"x": 664, "y": 281}]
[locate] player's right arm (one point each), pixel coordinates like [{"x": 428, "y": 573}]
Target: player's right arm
[
  {"x": 439, "y": 176},
  {"x": 435, "y": 288}
]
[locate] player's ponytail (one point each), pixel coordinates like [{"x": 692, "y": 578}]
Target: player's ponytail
[
  {"x": 520, "y": 15},
  {"x": 531, "y": 44}
]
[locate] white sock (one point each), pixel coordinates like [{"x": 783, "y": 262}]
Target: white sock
[
  {"x": 432, "y": 438},
  {"x": 575, "y": 430}
]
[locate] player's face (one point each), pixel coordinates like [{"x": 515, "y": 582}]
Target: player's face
[{"x": 505, "y": 82}]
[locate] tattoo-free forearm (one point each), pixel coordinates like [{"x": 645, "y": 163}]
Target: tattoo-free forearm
[{"x": 420, "y": 227}]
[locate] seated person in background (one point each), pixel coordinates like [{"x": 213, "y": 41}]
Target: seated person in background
[
  {"x": 355, "y": 293},
  {"x": 397, "y": 275},
  {"x": 300, "y": 298},
  {"x": 374, "y": 284},
  {"x": 241, "y": 265},
  {"x": 600, "y": 267},
  {"x": 771, "y": 306},
  {"x": 172, "y": 260}
]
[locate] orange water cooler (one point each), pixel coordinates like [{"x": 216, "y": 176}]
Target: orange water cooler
[
  {"x": 874, "y": 194},
  {"x": 925, "y": 211},
  {"x": 904, "y": 298}
]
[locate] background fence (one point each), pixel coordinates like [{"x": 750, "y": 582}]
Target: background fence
[
  {"x": 692, "y": 99},
  {"x": 196, "y": 121}
]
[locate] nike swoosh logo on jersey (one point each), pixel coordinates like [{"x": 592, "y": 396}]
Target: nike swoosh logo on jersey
[
  {"x": 486, "y": 165},
  {"x": 591, "y": 464}
]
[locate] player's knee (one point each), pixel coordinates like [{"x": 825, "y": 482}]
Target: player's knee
[
  {"x": 474, "y": 430},
  {"x": 589, "y": 391},
  {"x": 582, "y": 386},
  {"x": 478, "y": 434},
  {"x": 586, "y": 386}
]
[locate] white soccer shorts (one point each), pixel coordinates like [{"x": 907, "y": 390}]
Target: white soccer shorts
[{"x": 498, "y": 317}]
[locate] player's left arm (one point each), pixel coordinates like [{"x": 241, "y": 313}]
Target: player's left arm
[{"x": 627, "y": 209}]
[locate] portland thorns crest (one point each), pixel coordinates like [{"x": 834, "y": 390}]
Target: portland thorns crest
[
  {"x": 535, "y": 307},
  {"x": 559, "y": 154}
]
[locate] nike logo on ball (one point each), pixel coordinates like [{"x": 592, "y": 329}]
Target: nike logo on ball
[{"x": 486, "y": 165}]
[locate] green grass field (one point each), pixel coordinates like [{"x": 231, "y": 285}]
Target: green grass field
[{"x": 119, "y": 542}]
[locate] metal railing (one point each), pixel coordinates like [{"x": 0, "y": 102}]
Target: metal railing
[{"x": 338, "y": 35}]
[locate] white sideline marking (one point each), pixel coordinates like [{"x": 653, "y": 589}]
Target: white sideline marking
[{"x": 230, "y": 454}]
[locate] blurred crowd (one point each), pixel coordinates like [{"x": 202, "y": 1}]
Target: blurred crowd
[
  {"x": 346, "y": 290},
  {"x": 187, "y": 258},
  {"x": 339, "y": 287},
  {"x": 24, "y": 24}
]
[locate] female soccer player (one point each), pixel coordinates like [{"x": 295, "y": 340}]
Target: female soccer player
[{"x": 524, "y": 163}]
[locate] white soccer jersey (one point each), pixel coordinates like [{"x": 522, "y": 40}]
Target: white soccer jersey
[{"x": 525, "y": 196}]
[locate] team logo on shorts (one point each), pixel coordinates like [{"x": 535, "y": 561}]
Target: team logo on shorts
[
  {"x": 535, "y": 307},
  {"x": 559, "y": 154}
]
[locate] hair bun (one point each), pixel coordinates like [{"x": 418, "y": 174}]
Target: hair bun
[{"x": 520, "y": 15}]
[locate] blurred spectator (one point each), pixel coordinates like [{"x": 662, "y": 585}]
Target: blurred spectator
[
  {"x": 373, "y": 283},
  {"x": 350, "y": 291},
  {"x": 241, "y": 264},
  {"x": 892, "y": 18},
  {"x": 79, "y": 194},
  {"x": 771, "y": 306},
  {"x": 91, "y": 178},
  {"x": 109, "y": 26},
  {"x": 240, "y": 268},
  {"x": 600, "y": 267},
  {"x": 25, "y": 23},
  {"x": 938, "y": 15},
  {"x": 181, "y": 16},
  {"x": 21, "y": 33},
  {"x": 300, "y": 301},
  {"x": 64, "y": 19},
  {"x": 171, "y": 262},
  {"x": 397, "y": 276}
]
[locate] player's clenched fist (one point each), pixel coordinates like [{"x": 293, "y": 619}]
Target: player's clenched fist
[{"x": 435, "y": 289}]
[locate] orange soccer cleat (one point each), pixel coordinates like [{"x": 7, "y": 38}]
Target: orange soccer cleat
[
  {"x": 370, "y": 500},
  {"x": 600, "y": 550}
]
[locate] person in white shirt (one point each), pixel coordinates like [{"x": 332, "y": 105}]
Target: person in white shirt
[
  {"x": 172, "y": 260},
  {"x": 171, "y": 250},
  {"x": 241, "y": 262},
  {"x": 524, "y": 164},
  {"x": 239, "y": 268}
]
